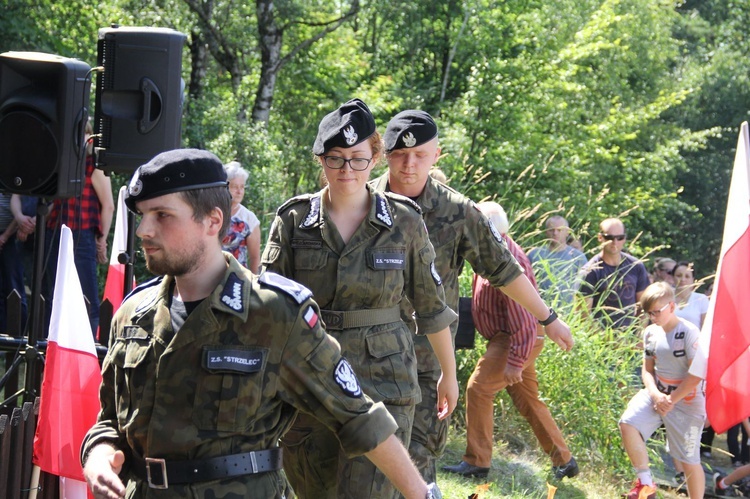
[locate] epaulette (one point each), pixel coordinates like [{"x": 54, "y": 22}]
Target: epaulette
[
  {"x": 404, "y": 199},
  {"x": 292, "y": 288},
  {"x": 296, "y": 199}
]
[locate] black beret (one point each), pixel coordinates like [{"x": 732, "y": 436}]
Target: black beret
[
  {"x": 410, "y": 128},
  {"x": 347, "y": 126},
  {"x": 175, "y": 171}
]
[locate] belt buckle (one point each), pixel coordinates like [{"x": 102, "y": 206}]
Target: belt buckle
[
  {"x": 333, "y": 319},
  {"x": 163, "y": 465}
]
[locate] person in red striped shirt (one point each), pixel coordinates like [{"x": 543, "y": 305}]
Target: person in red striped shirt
[{"x": 515, "y": 340}]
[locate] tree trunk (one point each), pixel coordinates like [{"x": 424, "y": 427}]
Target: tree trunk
[{"x": 270, "y": 39}]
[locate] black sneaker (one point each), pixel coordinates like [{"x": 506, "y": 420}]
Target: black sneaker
[
  {"x": 465, "y": 469},
  {"x": 569, "y": 469}
]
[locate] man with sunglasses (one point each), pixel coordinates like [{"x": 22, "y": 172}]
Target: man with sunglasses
[{"x": 613, "y": 280}]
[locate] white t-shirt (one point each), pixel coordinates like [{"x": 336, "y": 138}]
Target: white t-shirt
[{"x": 696, "y": 306}]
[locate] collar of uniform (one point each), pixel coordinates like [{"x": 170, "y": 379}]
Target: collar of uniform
[
  {"x": 314, "y": 217},
  {"x": 429, "y": 199},
  {"x": 232, "y": 295}
]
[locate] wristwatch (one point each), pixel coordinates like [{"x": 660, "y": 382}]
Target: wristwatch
[
  {"x": 433, "y": 492},
  {"x": 549, "y": 320}
]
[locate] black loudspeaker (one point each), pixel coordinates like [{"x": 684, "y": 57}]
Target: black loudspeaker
[
  {"x": 138, "y": 96},
  {"x": 44, "y": 102}
]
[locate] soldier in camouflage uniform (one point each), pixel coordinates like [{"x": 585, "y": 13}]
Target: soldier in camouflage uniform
[
  {"x": 360, "y": 252},
  {"x": 459, "y": 232},
  {"x": 209, "y": 364}
]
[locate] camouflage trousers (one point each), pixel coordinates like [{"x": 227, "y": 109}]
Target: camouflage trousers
[
  {"x": 428, "y": 434},
  {"x": 317, "y": 467}
]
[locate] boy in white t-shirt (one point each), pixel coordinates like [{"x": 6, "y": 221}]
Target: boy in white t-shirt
[{"x": 672, "y": 396}]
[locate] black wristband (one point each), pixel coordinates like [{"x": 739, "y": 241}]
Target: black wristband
[{"x": 549, "y": 320}]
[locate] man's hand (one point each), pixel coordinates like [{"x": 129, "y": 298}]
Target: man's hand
[
  {"x": 512, "y": 374},
  {"x": 103, "y": 464},
  {"x": 447, "y": 393},
  {"x": 559, "y": 332}
]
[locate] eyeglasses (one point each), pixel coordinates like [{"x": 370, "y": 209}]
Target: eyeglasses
[
  {"x": 337, "y": 163},
  {"x": 654, "y": 313},
  {"x": 612, "y": 237}
]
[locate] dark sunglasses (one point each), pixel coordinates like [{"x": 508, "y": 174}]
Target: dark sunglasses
[{"x": 611, "y": 237}]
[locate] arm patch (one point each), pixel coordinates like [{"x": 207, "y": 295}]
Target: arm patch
[{"x": 292, "y": 288}]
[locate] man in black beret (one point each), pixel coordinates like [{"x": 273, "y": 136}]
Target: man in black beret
[
  {"x": 458, "y": 231},
  {"x": 209, "y": 363}
]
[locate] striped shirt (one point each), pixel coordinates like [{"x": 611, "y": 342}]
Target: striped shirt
[{"x": 494, "y": 312}]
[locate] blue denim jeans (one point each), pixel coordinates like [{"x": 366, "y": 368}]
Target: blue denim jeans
[
  {"x": 11, "y": 277},
  {"x": 84, "y": 255}
]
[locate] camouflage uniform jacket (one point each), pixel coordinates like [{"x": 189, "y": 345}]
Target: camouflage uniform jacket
[
  {"x": 458, "y": 231},
  {"x": 389, "y": 256},
  {"x": 172, "y": 397}
]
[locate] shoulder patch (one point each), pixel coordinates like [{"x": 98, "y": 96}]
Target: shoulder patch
[
  {"x": 403, "y": 199},
  {"x": 346, "y": 379},
  {"x": 495, "y": 232},
  {"x": 291, "y": 201},
  {"x": 435, "y": 274},
  {"x": 293, "y": 289},
  {"x": 231, "y": 295}
]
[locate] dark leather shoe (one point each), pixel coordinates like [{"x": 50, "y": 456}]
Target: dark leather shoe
[
  {"x": 569, "y": 469},
  {"x": 465, "y": 469}
]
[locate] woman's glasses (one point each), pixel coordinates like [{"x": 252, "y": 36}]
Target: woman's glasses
[{"x": 337, "y": 163}]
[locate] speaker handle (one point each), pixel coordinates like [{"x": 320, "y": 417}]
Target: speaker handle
[{"x": 151, "y": 98}]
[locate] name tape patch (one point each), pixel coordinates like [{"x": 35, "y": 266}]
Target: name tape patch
[
  {"x": 389, "y": 261},
  {"x": 233, "y": 360}
]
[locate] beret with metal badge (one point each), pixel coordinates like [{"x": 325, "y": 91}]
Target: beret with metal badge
[
  {"x": 346, "y": 127},
  {"x": 409, "y": 128}
]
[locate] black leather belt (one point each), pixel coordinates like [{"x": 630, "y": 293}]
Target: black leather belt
[{"x": 160, "y": 473}]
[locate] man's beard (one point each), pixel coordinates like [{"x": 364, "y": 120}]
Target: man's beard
[{"x": 176, "y": 265}]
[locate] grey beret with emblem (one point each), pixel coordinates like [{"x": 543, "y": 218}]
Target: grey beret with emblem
[
  {"x": 347, "y": 126},
  {"x": 410, "y": 128},
  {"x": 175, "y": 171}
]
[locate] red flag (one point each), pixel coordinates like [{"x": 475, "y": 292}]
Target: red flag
[
  {"x": 115, "y": 284},
  {"x": 727, "y": 387},
  {"x": 70, "y": 387}
]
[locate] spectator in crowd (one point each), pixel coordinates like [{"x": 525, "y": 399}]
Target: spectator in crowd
[
  {"x": 557, "y": 265},
  {"x": 459, "y": 232},
  {"x": 613, "y": 280},
  {"x": 242, "y": 239},
  {"x": 515, "y": 340},
  {"x": 663, "y": 267},
  {"x": 691, "y": 305},
  {"x": 209, "y": 363},
  {"x": 11, "y": 269},
  {"x": 89, "y": 217},
  {"x": 671, "y": 395},
  {"x": 24, "y": 210},
  {"x": 361, "y": 252}
]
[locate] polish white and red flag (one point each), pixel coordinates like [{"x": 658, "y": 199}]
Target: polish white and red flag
[
  {"x": 115, "y": 283},
  {"x": 70, "y": 386},
  {"x": 726, "y": 330}
]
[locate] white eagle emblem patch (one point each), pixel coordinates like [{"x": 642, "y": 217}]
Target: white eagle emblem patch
[
  {"x": 136, "y": 186},
  {"x": 346, "y": 379},
  {"x": 435, "y": 275},
  {"x": 409, "y": 140},
  {"x": 350, "y": 135}
]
